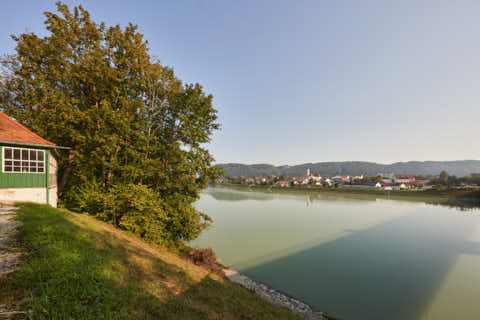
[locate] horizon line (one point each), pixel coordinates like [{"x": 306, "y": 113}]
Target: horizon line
[{"x": 342, "y": 161}]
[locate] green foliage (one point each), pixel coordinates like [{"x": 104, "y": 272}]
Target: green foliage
[
  {"x": 87, "y": 197},
  {"x": 443, "y": 177},
  {"x": 128, "y": 119},
  {"x": 451, "y": 180},
  {"x": 141, "y": 210}
]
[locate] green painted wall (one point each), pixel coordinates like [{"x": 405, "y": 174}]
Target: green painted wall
[{"x": 23, "y": 180}]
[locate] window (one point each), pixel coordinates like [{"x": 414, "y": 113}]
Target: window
[{"x": 23, "y": 160}]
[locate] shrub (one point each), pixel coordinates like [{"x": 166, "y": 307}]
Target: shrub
[
  {"x": 87, "y": 197},
  {"x": 139, "y": 209},
  {"x": 205, "y": 257}
]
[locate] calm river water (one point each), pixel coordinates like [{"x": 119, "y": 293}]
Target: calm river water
[{"x": 356, "y": 257}]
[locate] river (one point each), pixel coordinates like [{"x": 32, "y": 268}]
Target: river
[{"x": 356, "y": 257}]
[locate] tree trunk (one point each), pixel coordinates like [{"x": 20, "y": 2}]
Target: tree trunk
[{"x": 66, "y": 174}]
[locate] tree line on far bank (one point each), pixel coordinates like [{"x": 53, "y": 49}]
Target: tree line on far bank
[
  {"x": 135, "y": 130},
  {"x": 445, "y": 179},
  {"x": 427, "y": 169}
]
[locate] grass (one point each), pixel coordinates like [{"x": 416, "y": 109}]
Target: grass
[{"x": 76, "y": 267}]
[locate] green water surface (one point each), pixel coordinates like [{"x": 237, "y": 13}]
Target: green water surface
[{"x": 357, "y": 257}]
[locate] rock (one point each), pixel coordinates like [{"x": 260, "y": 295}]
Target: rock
[
  {"x": 5, "y": 243},
  {"x": 274, "y": 296},
  {"x": 9, "y": 261}
]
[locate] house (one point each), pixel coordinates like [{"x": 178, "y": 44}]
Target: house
[
  {"x": 403, "y": 178},
  {"x": 340, "y": 178},
  {"x": 417, "y": 184},
  {"x": 282, "y": 183},
  {"x": 386, "y": 177},
  {"x": 309, "y": 177},
  {"x": 468, "y": 186},
  {"x": 353, "y": 178},
  {"x": 316, "y": 177},
  {"x": 28, "y": 168}
]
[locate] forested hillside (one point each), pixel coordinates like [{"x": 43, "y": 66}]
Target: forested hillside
[{"x": 426, "y": 168}]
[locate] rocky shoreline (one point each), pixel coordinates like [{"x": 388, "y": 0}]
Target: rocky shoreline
[{"x": 275, "y": 296}]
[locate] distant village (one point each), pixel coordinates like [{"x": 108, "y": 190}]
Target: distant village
[{"x": 385, "y": 181}]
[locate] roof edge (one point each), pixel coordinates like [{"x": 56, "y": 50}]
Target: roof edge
[
  {"x": 15, "y": 122},
  {"x": 50, "y": 146}
]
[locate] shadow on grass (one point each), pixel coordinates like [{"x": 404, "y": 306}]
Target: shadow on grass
[{"x": 74, "y": 273}]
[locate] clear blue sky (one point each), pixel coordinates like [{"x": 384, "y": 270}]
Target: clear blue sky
[{"x": 309, "y": 81}]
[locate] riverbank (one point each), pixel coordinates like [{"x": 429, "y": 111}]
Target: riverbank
[
  {"x": 277, "y": 297},
  {"x": 77, "y": 267},
  {"x": 429, "y": 194}
]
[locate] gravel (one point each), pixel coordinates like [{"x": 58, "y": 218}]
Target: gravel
[
  {"x": 9, "y": 258},
  {"x": 275, "y": 296}
]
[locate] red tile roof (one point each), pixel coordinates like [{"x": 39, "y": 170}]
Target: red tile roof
[
  {"x": 405, "y": 176},
  {"x": 12, "y": 131},
  {"x": 418, "y": 182}
]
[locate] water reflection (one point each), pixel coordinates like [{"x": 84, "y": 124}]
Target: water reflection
[
  {"x": 360, "y": 257},
  {"x": 230, "y": 195},
  {"x": 242, "y": 194},
  {"x": 458, "y": 205}
]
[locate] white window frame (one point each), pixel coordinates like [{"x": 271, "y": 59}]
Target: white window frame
[{"x": 29, "y": 149}]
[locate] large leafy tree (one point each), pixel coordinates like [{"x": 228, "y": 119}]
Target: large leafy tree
[{"x": 133, "y": 126}]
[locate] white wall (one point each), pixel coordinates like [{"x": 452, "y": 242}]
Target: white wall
[
  {"x": 38, "y": 195},
  {"x": 53, "y": 196}
]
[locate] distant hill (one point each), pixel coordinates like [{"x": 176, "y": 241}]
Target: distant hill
[{"x": 427, "y": 168}]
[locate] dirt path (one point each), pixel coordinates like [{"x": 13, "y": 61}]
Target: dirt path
[{"x": 9, "y": 258}]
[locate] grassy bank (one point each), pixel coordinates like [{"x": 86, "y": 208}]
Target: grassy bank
[
  {"x": 76, "y": 267},
  {"x": 448, "y": 194}
]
